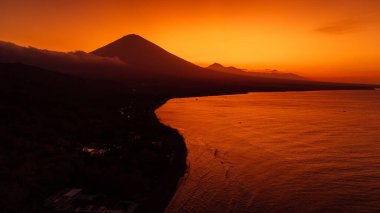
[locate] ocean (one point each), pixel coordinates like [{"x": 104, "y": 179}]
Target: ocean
[{"x": 279, "y": 152}]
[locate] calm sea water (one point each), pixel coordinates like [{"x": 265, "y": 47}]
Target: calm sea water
[{"x": 279, "y": 152}]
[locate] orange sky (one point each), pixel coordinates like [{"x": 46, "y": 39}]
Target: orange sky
[{"x": 334, "y": 40}]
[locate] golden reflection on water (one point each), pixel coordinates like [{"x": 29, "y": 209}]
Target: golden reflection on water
[{"x": 279, "y": 152}]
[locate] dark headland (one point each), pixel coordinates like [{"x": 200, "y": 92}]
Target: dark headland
[{"x": 79, "y": 130}]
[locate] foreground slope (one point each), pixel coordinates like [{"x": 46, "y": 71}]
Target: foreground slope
[{"x": 49, "y": 118}]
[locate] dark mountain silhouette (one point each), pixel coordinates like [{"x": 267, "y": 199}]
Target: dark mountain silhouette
[
  {"x": 219, "y": 67},
  {"x": 166, "y": 70},
  {"x": 264, "y": 74},
  {"x": 139, "y": 52}
]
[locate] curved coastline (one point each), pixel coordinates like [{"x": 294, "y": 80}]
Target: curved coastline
[{"x": 162, "y": 196}]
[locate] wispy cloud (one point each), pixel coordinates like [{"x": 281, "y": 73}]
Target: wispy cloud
[
  {"x": 340, "y": 27},
  {"x": 77, "y": 63},
  {"x": 10, "y": 52}
]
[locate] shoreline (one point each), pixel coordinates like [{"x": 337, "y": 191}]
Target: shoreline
[
  {"x": 183, "y": 177},
  {"x": 168, "y": 183}
]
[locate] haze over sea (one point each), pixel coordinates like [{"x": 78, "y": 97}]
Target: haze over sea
[{"x": 279, "y": 152}]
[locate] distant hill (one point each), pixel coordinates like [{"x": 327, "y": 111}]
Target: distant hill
[{"x": 264, "y": 74}]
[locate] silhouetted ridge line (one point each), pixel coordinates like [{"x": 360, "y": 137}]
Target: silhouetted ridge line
[{"x": 250, "y": 73}]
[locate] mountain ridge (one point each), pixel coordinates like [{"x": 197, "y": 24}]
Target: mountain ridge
[{"x": 265, "y": 74}]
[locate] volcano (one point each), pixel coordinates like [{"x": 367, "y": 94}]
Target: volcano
[{"x": 141, "y": 53}]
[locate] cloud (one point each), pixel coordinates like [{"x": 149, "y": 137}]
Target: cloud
[
  {"x": 76, "y": 63},
  {"x": 10, "y": 52},
  {"x": 340, "y": 27}
]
